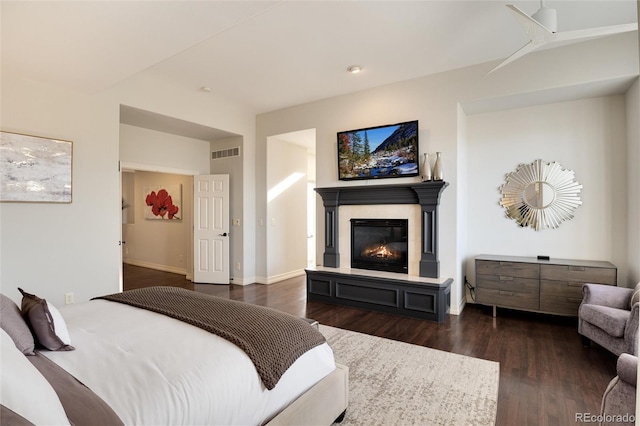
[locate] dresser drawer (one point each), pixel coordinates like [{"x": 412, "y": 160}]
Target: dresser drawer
[
  {"x": 560, "y": 297},
  {"x": 507, "y": 283},
  {"x": 561, "y": 289},
  {"x": 514, "y": 269},
  {"x": 560, "y": 304},
  {"x": 581, "y": 274},
  {"x": 508, "y": 299}
]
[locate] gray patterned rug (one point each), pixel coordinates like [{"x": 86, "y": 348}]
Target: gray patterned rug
[{"x": 396, "y": 383}]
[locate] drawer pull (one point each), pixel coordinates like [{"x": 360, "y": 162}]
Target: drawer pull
[
  {"x": 505, "y": 278},
  {"x": 505, "y": 293},
  {"x": 574, "y": 300},
  {"x": 577, "y": 268}
]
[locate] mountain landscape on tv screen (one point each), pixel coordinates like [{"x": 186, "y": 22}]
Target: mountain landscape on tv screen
[{"x": 387, "y": 151}]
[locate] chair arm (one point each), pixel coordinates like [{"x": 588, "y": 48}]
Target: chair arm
[
  {"x": 631, "y": 330},
  {"x": 606, "y": 295},
  {"x": 627, "y": 368}
]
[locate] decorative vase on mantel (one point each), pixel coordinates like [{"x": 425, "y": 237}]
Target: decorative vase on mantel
[
  {"x": 426, "y": 168},
  {"x": 437, "y": 168}
]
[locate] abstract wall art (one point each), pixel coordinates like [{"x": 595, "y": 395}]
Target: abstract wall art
[{"x": 35, "y": 169}]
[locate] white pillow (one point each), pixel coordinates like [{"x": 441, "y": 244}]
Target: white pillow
[
  {"x": 24, "y": 390},
  {"x": 59, "y": 325}
]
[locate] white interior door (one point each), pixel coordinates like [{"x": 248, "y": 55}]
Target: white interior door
[{"x": 211, "y": 229}]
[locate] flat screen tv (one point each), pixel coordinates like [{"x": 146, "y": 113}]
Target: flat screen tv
[{"x": 389, "y": 151}]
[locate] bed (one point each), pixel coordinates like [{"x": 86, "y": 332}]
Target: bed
[{"x": 120, "y": 361}]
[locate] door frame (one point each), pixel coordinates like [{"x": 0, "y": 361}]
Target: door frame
[{"x": 124, "y": 165}]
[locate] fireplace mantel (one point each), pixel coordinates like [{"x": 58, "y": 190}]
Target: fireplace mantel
[{"x": 426, "y": 194}]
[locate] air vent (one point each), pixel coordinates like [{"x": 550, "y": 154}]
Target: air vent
[{"x": 224, "y": 153}]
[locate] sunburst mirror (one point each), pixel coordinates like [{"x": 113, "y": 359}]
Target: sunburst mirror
[{"x": 540, "y": 195}]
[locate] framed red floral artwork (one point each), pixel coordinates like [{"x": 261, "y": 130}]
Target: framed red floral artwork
[{"x": 163, "y": 202}]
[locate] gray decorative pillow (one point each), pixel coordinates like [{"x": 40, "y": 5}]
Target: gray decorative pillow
[
  {"x": 636, "y": 295},
  {"x": 13, "y": 323},
  {"x": 40, "y": 316}
]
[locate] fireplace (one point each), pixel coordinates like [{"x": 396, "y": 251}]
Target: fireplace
[
  {"x": 379, "y": 244},
  {"x": 425, "y": 194}
]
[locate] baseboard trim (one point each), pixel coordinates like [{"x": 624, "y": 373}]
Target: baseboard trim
[
  {"x": 457, "y": 310},
  {"x": 280, "y": 277},
  {"x": 164, "y": 268},
  {"x": 242, "y": 281}
]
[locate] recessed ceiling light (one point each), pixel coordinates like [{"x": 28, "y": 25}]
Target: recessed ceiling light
[
  {"x": 205, "y": 89},
  {"x": 354, "y": 69}
]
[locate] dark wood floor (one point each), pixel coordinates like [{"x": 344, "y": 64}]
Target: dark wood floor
[{"x": 546, "y": 375}]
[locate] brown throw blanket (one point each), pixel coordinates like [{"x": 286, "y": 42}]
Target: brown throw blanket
[{"x": 273, "y": 340}]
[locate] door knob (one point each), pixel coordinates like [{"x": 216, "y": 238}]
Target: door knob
[{"x": 224, "y": 234}]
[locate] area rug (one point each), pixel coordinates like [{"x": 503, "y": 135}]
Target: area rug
[{"x": 396, "y": 383}]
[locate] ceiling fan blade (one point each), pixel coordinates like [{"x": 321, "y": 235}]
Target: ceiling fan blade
[
  {"x": 534, "y": 29},
  {"x": 527, "y": 48},
  {"x": 594, "y": 32}
]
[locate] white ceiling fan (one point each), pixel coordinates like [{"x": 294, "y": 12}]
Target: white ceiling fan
[{"x": 541, "y": 28}]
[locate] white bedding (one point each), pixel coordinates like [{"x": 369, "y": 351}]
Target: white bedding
[{"x": 155, "y": 370}]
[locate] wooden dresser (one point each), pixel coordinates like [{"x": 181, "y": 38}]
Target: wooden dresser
[{"x": 548, "y": 286}]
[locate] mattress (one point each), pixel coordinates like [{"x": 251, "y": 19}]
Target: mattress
[{"x": 152, "y": 369}]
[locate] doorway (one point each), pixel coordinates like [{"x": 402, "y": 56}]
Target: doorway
[
  {"x": 156, "y": 242},
  {"x": 153, "y": 142},
  {"x": 291, "y": 199}
]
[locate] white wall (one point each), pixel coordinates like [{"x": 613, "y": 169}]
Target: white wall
[
  {"x": 286, "y": 223},
  {"x": 51, "y": 249},
  {"x": 587, "y": 136},
  {"x": 234, "y": 167},
  {"x": 153, "y": 148},
  {"x": 633, "y": 183},
  {"x": 463, "y": 206},
  {"x": 127, "y": 179},
  {"x": 435, "y": 101}
]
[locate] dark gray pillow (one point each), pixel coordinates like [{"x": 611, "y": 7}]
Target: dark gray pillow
[
  {"x": 38, "y": 316},
  {"x": 13, "y": 323}
]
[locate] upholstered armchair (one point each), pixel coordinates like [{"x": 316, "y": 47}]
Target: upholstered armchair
[
  {"x": 619, "y": 400},
  {"x": 608, "y": 315}
]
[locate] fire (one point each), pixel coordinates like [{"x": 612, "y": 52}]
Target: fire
[{"x": 380, "y": 252}]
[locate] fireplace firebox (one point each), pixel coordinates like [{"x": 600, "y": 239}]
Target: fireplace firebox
[{"x": 379, "y": 244}]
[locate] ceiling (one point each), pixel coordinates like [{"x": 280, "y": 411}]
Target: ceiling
[{"x": 269, "y": 55}]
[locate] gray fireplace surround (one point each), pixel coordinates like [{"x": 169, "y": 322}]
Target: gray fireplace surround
[
  {"x": 423, "y": 297},
  {"x": 426, "y": 194}
]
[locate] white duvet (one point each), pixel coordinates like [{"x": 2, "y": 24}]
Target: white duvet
[{"x": 155, "y": 370}]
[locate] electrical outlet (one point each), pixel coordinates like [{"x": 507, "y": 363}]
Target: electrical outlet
[
  {"x": 68, "y": 298},
  {"x": 235, "y": 222},
  {"x": 180, "y": 259},
  {"x": 238, "y": 266}
]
